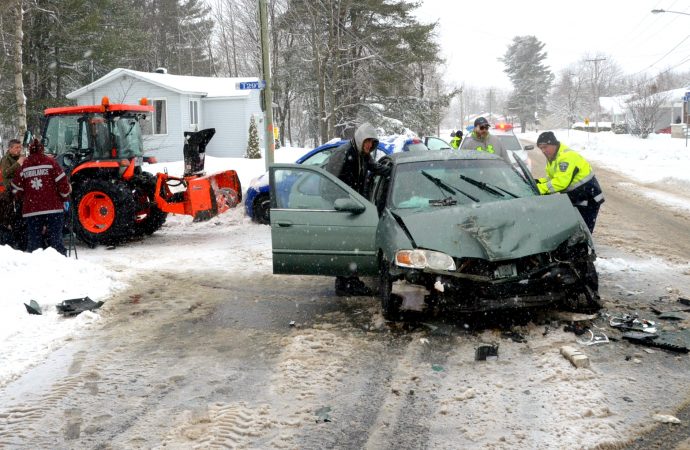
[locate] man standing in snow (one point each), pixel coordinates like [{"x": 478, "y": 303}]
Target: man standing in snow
[
  {"x": 481, "y": 140},
  {"x": 568, "y": 172},
  {"x": 351, "y": 162},
  {"x": 10, "y": 215},
  {"x": 43, "y": 187}
]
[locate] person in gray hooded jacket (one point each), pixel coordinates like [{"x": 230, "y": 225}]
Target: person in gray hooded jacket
[{"x": 351, "y": 162}]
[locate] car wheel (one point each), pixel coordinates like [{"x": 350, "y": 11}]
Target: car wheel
[
  {"x": 390, "y": 303},
  {"x": 585, "y": 298},
  {"x": 262, "y": 209}
]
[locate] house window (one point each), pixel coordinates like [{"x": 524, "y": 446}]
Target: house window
[
  {"x": 159, "y": 118},
  {"x": 193, "y": 113}
]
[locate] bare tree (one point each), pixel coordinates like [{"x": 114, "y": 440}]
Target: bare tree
[
  {"x": 644, "y": 108},
  {"x": 18, "y": 65}
]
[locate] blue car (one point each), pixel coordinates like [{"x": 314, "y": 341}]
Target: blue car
[{"x": 257, "y": 201}]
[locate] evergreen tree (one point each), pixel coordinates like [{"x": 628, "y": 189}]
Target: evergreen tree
[
  {"x": 253, "y": 151},
  {"x": 524, "y": 61}
]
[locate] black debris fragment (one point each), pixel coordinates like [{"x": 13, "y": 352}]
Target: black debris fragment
[
  {"x": 75, "y": 306},
  {"x": 514, "y": 336},
  {"x": 33, "y": 308},
  {"x": 485, "y": 351},
  {"x": 677, "y": 341}
]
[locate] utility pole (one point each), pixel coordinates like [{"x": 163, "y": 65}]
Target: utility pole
[
  {"x": 596, "y": 89},
  {"x": 462, "y": 108},
  {"x": 269, "y": 144}
]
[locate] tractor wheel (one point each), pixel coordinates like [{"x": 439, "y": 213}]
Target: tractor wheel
[
  {"x": 262, "y": 209},
  {"x": 390, "y": 303},
  {"x": 149, "y": 217},
  {"x": 104, "y": 212}
]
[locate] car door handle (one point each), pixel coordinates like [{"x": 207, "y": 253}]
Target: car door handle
[{"x": 284, "y": 224}]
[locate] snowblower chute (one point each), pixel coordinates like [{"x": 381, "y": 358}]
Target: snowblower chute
[{"x": 195, "y": 193}]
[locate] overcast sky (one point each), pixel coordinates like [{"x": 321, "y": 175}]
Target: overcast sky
[{"x": 474, "y": 34}]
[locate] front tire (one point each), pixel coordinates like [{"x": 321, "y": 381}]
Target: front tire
[
  {"x": 262, "y": 209},
  {"x": 105, "y": 212},
  {"x": 390, "y": 303},
  {"x": 149, "y": 217},
  {"x": 585, "y": 298}
]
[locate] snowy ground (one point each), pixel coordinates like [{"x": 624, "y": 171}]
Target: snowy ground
[{"x": 184, "y": 246}]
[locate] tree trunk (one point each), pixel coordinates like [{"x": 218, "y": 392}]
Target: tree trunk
[{"x": 19, "y": 67}]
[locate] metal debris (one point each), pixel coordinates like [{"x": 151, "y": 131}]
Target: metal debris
[{"x": 677, "y": 341}]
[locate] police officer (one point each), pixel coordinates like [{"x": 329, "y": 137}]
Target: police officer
[
  {"x": 568, "y": 172},
  {"x": 481, "y": 140},
  {"x": 457, "y": 138}
]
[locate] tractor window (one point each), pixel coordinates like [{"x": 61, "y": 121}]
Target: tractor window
[
  {"x": 127, "y": 134},
  {"x": 60, "y": 135},
  {"x": 100, "y": 137}
]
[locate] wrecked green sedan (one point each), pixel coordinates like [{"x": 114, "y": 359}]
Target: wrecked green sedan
[{"x": 460, "y": 230}]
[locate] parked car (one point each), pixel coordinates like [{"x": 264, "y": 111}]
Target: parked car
[
  {"x": 504, "y": 132},
  {"x": 462, "y": 230},
  {"x": 257, "y": 198},
  {"x": 436, "y": 143}
]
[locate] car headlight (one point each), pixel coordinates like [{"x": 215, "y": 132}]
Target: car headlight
[{"x": 424, "y": 259}]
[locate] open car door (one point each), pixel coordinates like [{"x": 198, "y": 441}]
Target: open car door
[{"x": 319, "y": 225}]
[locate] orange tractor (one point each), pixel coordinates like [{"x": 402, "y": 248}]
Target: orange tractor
[{"x": 101, "y": 149}]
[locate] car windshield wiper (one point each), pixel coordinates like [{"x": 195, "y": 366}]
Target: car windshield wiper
[
  {"x": 487, "y": 187},
  {"x": 445, "y": 186}
]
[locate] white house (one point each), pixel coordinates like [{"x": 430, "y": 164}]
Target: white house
[{"x": 182, "y": 103}]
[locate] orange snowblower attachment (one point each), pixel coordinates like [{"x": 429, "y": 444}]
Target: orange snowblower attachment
[{"x": 204, "y": 196}]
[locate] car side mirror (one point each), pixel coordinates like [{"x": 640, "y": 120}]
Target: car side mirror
[
  {"x": 348, "y": 205},
  {"x": 28, "y": 136},
  {"x": 529, "y": 147}
]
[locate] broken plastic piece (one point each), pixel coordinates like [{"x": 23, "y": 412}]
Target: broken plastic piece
[
  {"x": 632, "y": 323},
  {"x": 437, "y": 368},
  {"x": 594, "y": 337},
  {"x": 75, "y": 306},
  {"x": 323, "y": 414},
  {"x": 33, "y": 308},
  {"x": 485, "y": 351}
]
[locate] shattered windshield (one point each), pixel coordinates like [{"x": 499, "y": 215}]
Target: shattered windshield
[{"x": 431, "y": 183}]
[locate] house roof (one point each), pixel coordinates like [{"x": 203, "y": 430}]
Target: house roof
[{"x": 182, "y": 84}]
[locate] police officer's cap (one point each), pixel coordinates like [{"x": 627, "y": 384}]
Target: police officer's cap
[{"x": 547, "y": 138}]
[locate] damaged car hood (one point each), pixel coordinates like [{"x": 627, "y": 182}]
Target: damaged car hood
[{"x": 497, "y": 230}]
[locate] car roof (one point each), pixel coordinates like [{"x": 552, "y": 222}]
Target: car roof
[{"x": 441, "y": 155}]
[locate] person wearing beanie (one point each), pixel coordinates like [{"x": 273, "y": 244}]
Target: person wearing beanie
[
  {"x": 570, "y": 173},
  {"x": 481, "y": 140},
  {"x": 43, "y": 187},
  {"x": 351, "y": 162},
  {"x": 456, "y": 139}
]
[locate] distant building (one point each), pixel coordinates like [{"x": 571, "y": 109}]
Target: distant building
[{"x": 182, "y": 103}]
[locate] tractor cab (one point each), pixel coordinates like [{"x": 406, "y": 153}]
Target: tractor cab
[{"x": 77, "y": 134}]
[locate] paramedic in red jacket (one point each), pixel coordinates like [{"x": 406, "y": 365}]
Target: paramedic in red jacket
[{"x": 42, "y": 185}]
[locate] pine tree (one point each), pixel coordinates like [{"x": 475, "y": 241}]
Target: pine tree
[
  {"x": 253, "y": 151},
  {"x": 531, "y": 78}
]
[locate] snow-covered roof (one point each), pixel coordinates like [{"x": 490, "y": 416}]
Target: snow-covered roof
[{"x": 182, "y": 84}]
